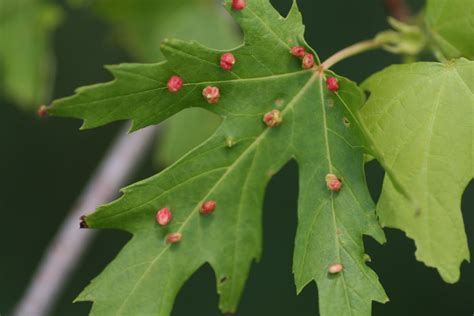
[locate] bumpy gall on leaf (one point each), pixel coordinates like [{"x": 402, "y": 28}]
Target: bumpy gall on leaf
[
  {"x": 333, "y": 183},
  {"x": 335, "y": 268},
  {"x": 227, "y": 61},
  {"x": 298, "y": 51},
  {"x": 164, "y": 216},
  {"x": 273, "y": 118},
  {"x": 175, "y": 84},
  {"x": 332, "y": 84},
  {"x": 238, "y": 4},
  {"x": 173, "y": 238},
  {"x": 208, "y": 207},
  {"x": 308, "y": 61},
  {"x": 212, "y": 94},
  {"x": 42, "y": 111}
]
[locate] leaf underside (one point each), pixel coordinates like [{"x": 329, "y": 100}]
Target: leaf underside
[
  {"x": 422, "y": 119},
  {"x": 317, "y": 131}
]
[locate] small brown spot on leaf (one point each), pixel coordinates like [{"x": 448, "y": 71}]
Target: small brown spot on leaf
[{"x": 346, "y": 121}]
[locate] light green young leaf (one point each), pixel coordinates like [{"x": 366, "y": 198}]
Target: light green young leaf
[
  {"x": 422, "y": 119},
  {"x": 450, "y": 24},
  {"x": 233, "y": 168},
  {"x": 26, "y": 62}
]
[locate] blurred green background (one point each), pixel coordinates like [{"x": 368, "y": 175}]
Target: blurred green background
[{"x": 44, "y": 164}]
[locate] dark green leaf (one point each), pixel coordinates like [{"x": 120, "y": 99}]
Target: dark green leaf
[{"x": 233, "y": 168}]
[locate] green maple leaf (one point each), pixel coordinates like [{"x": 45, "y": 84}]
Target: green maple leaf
[
  {"x": 421, "y": 117},
  {"x": 319, "y": 130},
  {"x": 26, "y": 61},
  {"x": 450, "y": 25}
]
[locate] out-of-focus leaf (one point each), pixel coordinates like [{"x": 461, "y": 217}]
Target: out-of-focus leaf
[
  {"x": 450, "y": 23},
  {"x": 26, "y": 58}
]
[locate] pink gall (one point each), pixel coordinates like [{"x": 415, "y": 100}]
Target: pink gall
[
  {"x": 42, "y": 111},
  {"x": 175, "y": 84},
  {"x": 308, "y": 61},
  {"x": 208, "y": 207},
  {"x": 212, "y": 94},
  {"x": 333, "y": 183},
  {"x": 272, "y": 118},
  {"x": 238, "y": 4},
  {"x": 227, "y": 61},
  {"x": 332, "y": 84},
  {"x": 298, "y": 51},
  {"x": 164, "y": 216},
  {"x": 335, "y": 268},
  {"x": 173, "y": 238}
]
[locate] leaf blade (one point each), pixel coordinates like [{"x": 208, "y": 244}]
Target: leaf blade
[
  {"x": 266, "y": 77},
  {"x": 437, "y": 176}
]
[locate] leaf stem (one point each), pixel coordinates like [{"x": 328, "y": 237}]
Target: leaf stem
[{"x": 352, "y": 50}]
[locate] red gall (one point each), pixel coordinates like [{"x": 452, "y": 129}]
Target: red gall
[
  {"x": 272, "y": 118},
  {"x": 208, "y": 207},
  {"x": 298, "y": 51},
  {"x": 164, "y": 216},
  {"x": 173, "y": 238},
  {"x": 175, "y": 84},
  {"x": 212, "y": 94},
  {"x": 227, "y": 61},
  {"x": 42, "y": 111},
  {"x": 238, "y": 4},
  {"x": 308, "y": 61},
  {"x": 332, "y": 84},
  {"x": 335, "y": 268},
  {"x": 333, "y": 183}
]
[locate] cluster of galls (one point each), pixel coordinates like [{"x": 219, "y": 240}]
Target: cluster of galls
[
  {"x": 307, "y": 59},
  {"x": 227, "y": 61},
  {"x": 271, "y": 119},
  {"x": 164, "y": 217}
]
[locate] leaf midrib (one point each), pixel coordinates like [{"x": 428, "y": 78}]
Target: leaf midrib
[{"x": 191, "y": 84}]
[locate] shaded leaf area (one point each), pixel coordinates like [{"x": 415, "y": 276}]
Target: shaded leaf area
[
  {"x": 421, "y": 116},
  {"x": 233, "y": 168},
  {"x": 26, "y": 59},
  {"x": 450, "y": 24}
]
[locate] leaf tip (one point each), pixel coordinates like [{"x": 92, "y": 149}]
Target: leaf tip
[{"x": 83, "y": 222}]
